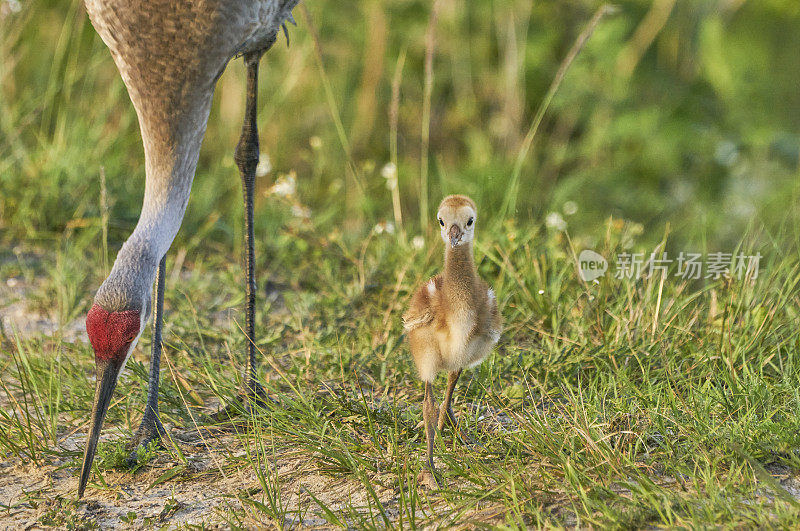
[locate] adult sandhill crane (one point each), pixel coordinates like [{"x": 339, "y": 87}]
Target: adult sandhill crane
[{"x": 170, "y": 54}]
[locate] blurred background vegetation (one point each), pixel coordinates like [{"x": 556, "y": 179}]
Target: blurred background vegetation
[{"x": 679, "y": 111}]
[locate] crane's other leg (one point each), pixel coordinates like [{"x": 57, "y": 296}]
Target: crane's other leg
[
  {"x": 151, "y": 428},
  {"x": 246, "y": 157},
  {"x": 446, "y": 411},
  {"x": 427, "y": 476}
]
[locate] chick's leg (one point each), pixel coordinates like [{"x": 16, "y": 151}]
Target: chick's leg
[
  {"x": 446, "y": 411},
  {"x": 428, "y": 475}
]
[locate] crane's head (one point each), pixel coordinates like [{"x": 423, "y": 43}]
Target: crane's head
[
  {"x": 456, "y": 217},
  {"x": 113, "y": 335},
  {"x": 114, "y": 324}
]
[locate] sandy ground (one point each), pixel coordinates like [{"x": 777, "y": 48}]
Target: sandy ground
[
  {"x": 38, "y": 494},
  {"x": 18, "y": 318},
  {"x": 43, "y": 494}
]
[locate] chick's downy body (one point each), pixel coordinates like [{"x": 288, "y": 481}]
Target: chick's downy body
[{"x": 453, "y": 320}]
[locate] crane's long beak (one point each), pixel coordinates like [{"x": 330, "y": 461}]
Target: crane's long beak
[{"x": 107, "y": 372}]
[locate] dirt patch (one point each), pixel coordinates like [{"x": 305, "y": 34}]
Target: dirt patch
[
  {"x": 17, "y": 318},
  {"x": 206, "y": 490},
  {"x": 35, "y": 494}
]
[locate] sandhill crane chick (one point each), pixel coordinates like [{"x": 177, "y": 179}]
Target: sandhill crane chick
[{"x": 452, "y": 321}]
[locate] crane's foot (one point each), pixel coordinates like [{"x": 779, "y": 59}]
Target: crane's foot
[
  {"x": 429, "y": 478},
  {"x": 150, "y": 431},
  {"x": 253, "y": 400}
]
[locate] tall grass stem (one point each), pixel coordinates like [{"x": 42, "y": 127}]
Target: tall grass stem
[
  {"x": 104, "y": 216},
  {"x": 332, "y": 107},
  {"x": 430, "y": 48},
  {"x": 510, "y": 201},
  {"x": 394, "y": 117}
]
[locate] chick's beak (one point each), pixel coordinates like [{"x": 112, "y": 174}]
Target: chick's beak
[
  {"x": 455, "y": 235},
  {"x": 107, "y": 371}
]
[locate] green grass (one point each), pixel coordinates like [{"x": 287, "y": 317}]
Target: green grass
[
  {"x": 627, "y": 403},
  {"x": 587, "y": 414}
]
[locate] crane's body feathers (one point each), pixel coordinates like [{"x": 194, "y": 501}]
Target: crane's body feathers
[{"x": 170, "y": 54}]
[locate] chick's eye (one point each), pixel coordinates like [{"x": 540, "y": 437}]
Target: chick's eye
[
  {"x": 469, "y": 222},
  {"x": 441, "y": 222}
]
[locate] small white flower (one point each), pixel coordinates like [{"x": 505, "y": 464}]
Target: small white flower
[
  {"x": 541, "y": 292},
  {"x": 286, "y": 186},
  {"x": 14, "y": 6},
  {"x": 299, "y": 211},
  {"x": 384, "y": 226},
  {"x": 418, "y": 242},
  {"x": 315, "y": 142},
  {"x": 554, "y": 220},
  {"x": 389, "y": 172},
  {"x": 264, "y": 165},
  {"x": 570, "y": 208}
]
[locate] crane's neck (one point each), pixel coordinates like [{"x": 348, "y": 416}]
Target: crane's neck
[
  {"x": 172, "y": 145},
  {"x": 459, "y": 273}
]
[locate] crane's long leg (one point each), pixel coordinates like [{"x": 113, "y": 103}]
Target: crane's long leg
[
  {"x": 151, "y": 428},
  {"x": 427, "y": 476},
  {"x": 246, "y": 158}
]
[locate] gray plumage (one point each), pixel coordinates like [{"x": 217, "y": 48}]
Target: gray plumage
[{"x": 170, "y": 54}]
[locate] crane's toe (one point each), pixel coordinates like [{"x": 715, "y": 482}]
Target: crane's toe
[
  {"x": 150, "y": 432},
  {"x": 255, "y": 396},
  {"x": 253, "y": 400}
]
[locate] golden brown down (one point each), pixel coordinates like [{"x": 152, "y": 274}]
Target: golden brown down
[
  {"x": 451, "y": 327},
  {"x": 452, "y": 320}
]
